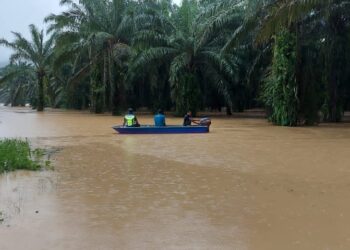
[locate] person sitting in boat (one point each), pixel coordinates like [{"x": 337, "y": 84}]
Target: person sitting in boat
[
  {"x": 130, "y": 119},
  {"x": 159, "y": 119},
  {"x": 188, "y": 119}
]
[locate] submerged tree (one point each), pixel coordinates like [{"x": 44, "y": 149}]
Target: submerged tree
[
  {"x": 323, "y": 25},
  {"x": 280, "y": 92},
  {"x": 17, "y": 84},
  {"x": 37, "y": 52},
  {"x": 102, "y": 30},
  {"x": 191, "y": 47}
]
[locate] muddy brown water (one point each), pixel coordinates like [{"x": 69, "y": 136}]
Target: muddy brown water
[{"x": 246, "y": 185}]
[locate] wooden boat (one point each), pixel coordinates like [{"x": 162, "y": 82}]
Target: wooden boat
[{"x": 162, "y": 130}]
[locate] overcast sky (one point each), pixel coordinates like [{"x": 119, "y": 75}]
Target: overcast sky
[{"x": 16, "y": 15}]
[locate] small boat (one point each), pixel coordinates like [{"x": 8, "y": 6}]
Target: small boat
[{"x": 162, "y": 130}]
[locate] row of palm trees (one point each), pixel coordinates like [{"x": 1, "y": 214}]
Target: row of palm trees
[{"x": 290, "y": 56}]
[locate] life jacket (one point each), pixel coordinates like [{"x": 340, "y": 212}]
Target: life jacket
[{"x": 130, "y": 120}]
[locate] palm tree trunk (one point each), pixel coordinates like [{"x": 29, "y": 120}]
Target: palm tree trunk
[
  {"x": 41, "y": 97},
  {"x": 92, "y": 85},
  {"x": 112, "y": 83},
  {"x": 119, "y": 101},
  {"x": 104, "y": 82},
  {"x": 228, "y": 110},
  {"x": 333, "y": 94},
  {"x": 334, "y": 56},
  {"x": 333, "y": 77}
]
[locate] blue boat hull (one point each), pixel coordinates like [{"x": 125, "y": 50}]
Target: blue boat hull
[{"x": 162, "y": 130}]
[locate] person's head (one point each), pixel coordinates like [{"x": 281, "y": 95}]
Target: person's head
[
  {"x": 189, "y": 112},
  {"x": 160, "y": 111},
  {"x": 130, "y": 111}
]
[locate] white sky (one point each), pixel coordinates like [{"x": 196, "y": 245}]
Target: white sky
[{"x": 16, "y": 15}]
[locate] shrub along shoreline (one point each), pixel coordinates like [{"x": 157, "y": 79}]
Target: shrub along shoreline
[{"x": 16, "y": 154}]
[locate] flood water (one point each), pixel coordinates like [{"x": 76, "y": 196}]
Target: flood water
[{"x": 245, "y": 185}]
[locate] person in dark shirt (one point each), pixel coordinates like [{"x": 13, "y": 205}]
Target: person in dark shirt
[
  {"x": 159, "y": 119},
  {"x": 188, "y": 119}
]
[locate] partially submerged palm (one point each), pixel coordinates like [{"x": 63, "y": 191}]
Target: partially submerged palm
[
  {"x": 101, "y": 30},
  {"x": 37, "y": 52},
  {"x": 192, "y": 48},
  {"x": 17, "y": 84}
]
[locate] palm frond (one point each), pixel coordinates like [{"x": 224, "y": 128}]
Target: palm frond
[
  {"x": 284, "y": 13},
  {"x": 177, "y": 67},
  {"x": 153, "y": 55}
]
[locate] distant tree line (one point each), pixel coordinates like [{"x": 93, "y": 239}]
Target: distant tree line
[{"x": 291, "y": 57}]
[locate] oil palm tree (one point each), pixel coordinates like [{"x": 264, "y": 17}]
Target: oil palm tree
[
  {"x": 101, "y": 30},
  {"x": 38, "y": 52},
  {"x": 281, "y": 25},
  {"x": 331, "y": 19},
  {"x": 190, "y": 46},
  {"x": 17, "y": 84}
]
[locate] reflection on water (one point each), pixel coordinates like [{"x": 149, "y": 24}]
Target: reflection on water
[{"x": 246, "y": 185}]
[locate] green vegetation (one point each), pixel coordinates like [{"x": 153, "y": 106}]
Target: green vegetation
[
  {"x": 18, "y": 89},
  {"x": 16, "y": 154},
  {"x": 290, "y": 57},
  {"x": 38, "y": 52},
  {"x": 281, "y": 91}
]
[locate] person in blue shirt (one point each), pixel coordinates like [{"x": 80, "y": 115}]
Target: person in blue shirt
[{"x": 159, "y": 119}]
